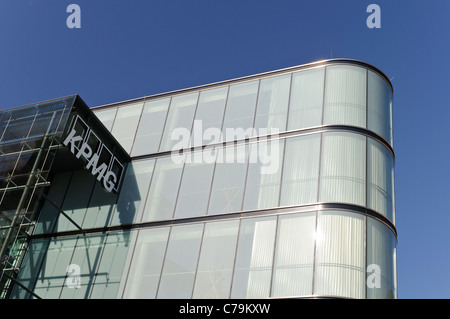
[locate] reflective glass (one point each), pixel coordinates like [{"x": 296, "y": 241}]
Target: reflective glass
[
  {"x": 181, "y": 116},
  {"x": 343, "y": 168},
  {"x": 130, "y": 204},
  {"x": 345, "y": 95},
  {"x": 340, "y": 255},
  {"x": 216, "y": 260},
  {"x": 180, "y": 264},
  {"x": 53, "y": 271},
  {"x": 79, "y": 190},
  {"x": 254, "y": 258},
  {"x": 163, "y": 190},
  {"x": 273, "y": 99},
  {"x": 151, "y": 125},
  {"x": 125, "y": 125},
  {"x": 145, "y": 270},
  {"x": 210, "y": 110},
  {"x": 194, "y": 190},
  {"x": 85, "y": 259},
  {"x": 110, "y": 270},
  {"x": 100, "y": 208},
  {"x": 379, "y": 106},
  {"x": 240, "y": 109},
  {"x": 106, "y": 117},
  {"x": 229, "y": 180},
  {"x": 294, "y": 255},
  {"x": 305, "y": 109}
]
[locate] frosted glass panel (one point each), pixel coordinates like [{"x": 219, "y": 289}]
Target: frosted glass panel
[
  {"x": 381, "y": 252},
  {"x": 254, "y": 258},
  {"x": 151, "y": 125},
  {"x": 294, "y": 255},
  {"x": 380, "y": 175},
  {"x": 163, "y": 190},
  {"x": 100, "y": 209},
  {"x": 216, "y": 262},
  {"x": 345, "y": 96},
  {"x": 240, "y": 109},
  {"x": 306, "y": 104},
  {"x": 340, "y": 255},
  {"x": 146, "y": 267},
  {"x": 380, "y": 106},
  {"x": 343, "y": 168},
  {"x": 110, "y": 270},
  {"x": 125, "y": 125},
  {"x": 264, "y": 175},
  {"x": 180, "y": 263},
  {"x": 181, "y": 116},
  {"x": 301, "y": 170},
  {"x": 273, "y": 99},
  {"x": 106, "y": 117}
]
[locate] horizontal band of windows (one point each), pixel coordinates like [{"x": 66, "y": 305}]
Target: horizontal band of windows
[
  {"x": 281, "y": 135},
  {"x": 225, "y": 216},
  {"x": 303, "y": 67}
]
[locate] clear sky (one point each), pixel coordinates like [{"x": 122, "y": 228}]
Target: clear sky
[{"x": 128, "y": 49}]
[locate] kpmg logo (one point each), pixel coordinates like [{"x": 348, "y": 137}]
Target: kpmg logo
[{"x": 84, "y": 144}]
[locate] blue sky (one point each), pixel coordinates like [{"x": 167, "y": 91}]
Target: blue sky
[{"x": 128, "y": 49}]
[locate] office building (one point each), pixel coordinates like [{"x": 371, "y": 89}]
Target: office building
[{"x": 275, "y": 185}]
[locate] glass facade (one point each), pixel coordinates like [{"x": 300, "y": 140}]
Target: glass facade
[{"x": 277, "y": 185}]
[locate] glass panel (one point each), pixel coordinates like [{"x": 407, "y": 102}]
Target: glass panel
[
  {"x": 146, "y": 267},
  {"x": 380, "y": 106},
  {"x": 381, "y": 261},
  {"x": 110, "y": 270},
  {"x": 305, "y": 108},
  {"x": 301, "y": 170},
  {"x": 240, "y": 110},
  {"x": 130, "y": 204},
  {"x": 126, "y": 123},
  {"x": 53, "y": 272},
  {"x": 194, "y": 190},
  {"x": 86, "y": 258},
  {"x": 79, "y": 193},
  {"x": 163, "y": 190},
  {"x": 343, "y": 168},
  {"x": 181, "y": 116},
  {"x": 177, "y": 280},
  {"x": 229, "y": 180},
  {"x": 106, "y": 117},
  {"x": 380, "y": 176},
  {"x": 340, "y": 255},
  {"x": 345, "y": 96},
  {"x": 273, "y": 99},
  {"x": 29, "y": 271},
  {"x": 254, "y": 258},
  {"x": 150, "y": 128},
  {"x": 100, "y": 208},
  {"x": 216, "y": 260},
  {"x": 210, "y": 111},
  {"x": 294, "y": 255},
  {"x": 264, "y": 175},
  {"x": 49, "y": 213}
]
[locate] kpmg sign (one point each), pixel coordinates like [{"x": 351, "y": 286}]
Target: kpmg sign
[{"x": 100, "y": 161}]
